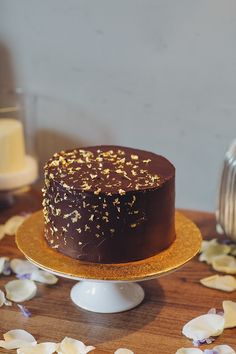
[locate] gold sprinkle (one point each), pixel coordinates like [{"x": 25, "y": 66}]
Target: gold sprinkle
[
  {"x": 133, "y": 225},
  {"x": 86, "y": 187},
  {"x": 79, "y": 230},
  {"x": 58, "y": 212},
  {"x": 106, "y": 171},
  {"x": 86, "y": 227},
  {"x": 93, "y": 176},
  {"x": 91, "y": 217},
  {"x": 97, "y": 191},
  {"x": 116, "y": 201},
  {"x": 54, "y": 163},
  {"x": 75, "y": 216},
  {"x": 94, "y": 206},
  {"x": 105, "y": 218},
  {"x": 121, "y": 191},
  {"x": 120, "y": 152},
  {"x": 134, "y": 157},
  {"x": 147, "y": 161}
]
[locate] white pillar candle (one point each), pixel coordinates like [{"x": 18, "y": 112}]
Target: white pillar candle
[{"x": 12, "y": 147}]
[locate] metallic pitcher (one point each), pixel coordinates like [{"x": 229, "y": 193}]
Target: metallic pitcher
[{"x": 226, "y": 210}]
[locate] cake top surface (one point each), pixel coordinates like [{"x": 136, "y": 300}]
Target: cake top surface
[{"x": 108, "y": 169}]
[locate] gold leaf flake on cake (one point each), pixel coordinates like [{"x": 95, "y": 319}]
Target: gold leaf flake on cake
[
  {"x": 91, "y": 217},
  {"x": 121, "y": 191}
]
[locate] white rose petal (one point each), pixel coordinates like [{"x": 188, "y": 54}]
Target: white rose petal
[
  {"x": 221, "y": 349},
  {"x": 123, "y": 351},
  {"x": 212, "y": 250},
  {"x": 2, "y": 298},
  {"x": 233, "y": 250},
  {"x": 220, "y": 282},
  {"x": 20, "y": 266},
  {"x": 43, "y": 277},
  {"x": 73, "y": 346},
  {"x": 224, "y": 349},
  {"x": 16, "y": 338},
  {"x": 42, "y": 348},
  {"x": 20, "y": 290},
  {"x": 2, "y": 231},
  {"x": 12, "y": 224},
  {"x": 205, "y": 244},
  {"x": 225, "y": 264},
  {"x": 189, "y": 351},
  {"x": 2, "y": 263},
  {"x": 229, "y": 313},
  {"x": 204, "y": 326}
]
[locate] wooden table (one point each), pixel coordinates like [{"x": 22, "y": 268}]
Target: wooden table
[{"x": 154, "y": 327}]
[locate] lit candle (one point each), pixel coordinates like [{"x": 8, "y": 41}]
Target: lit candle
[{"x": 12, "y": 147}]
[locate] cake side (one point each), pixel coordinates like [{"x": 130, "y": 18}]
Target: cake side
[{"x": 126, "y": 216}]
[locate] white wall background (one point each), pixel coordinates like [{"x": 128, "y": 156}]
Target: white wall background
[{"x": 153, "y": 74}]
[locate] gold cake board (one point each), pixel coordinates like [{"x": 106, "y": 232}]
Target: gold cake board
[{"x": 30, "y": 240}]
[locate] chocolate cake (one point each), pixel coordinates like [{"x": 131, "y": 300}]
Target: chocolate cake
[{"x": 109, "y": 204}]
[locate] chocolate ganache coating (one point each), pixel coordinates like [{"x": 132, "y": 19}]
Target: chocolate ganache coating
[{"x": 109, "y": 204}]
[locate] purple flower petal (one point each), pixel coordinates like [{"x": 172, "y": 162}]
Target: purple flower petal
[
  {"x": 24, "y": 276},
  {"x": 211, "y": 351},
  {"x": 209, "y": 340},
  {"x": 226, "y": 241},
  {"x": 7, "y": 268},
  {"x": 25, "y": 312}
]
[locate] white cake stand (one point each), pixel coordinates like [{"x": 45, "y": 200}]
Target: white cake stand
[{"x": 107, "y": 288}]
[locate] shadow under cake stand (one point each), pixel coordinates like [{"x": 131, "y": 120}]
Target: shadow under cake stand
[{"x": 107, "y": 288}]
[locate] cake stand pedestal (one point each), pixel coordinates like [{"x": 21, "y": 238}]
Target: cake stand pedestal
[
  {"x": 107, "y": 288},
  {"x": 107, "y": 297}
]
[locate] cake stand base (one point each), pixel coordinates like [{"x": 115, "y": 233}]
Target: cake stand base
[
  {"x": 106, "y": 297},
  {"x": 107, "y": 288}
]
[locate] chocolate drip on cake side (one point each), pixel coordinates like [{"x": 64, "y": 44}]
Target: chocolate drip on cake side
[{"x": 109, "y": 204}]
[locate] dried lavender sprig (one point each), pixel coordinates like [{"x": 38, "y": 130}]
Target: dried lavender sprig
[
  {"x": 198, "y": 342},
  {"x": 25, "y": 312}
]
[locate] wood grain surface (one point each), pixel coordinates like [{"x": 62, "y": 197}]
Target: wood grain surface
[{"x": 154, "y": 327}]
